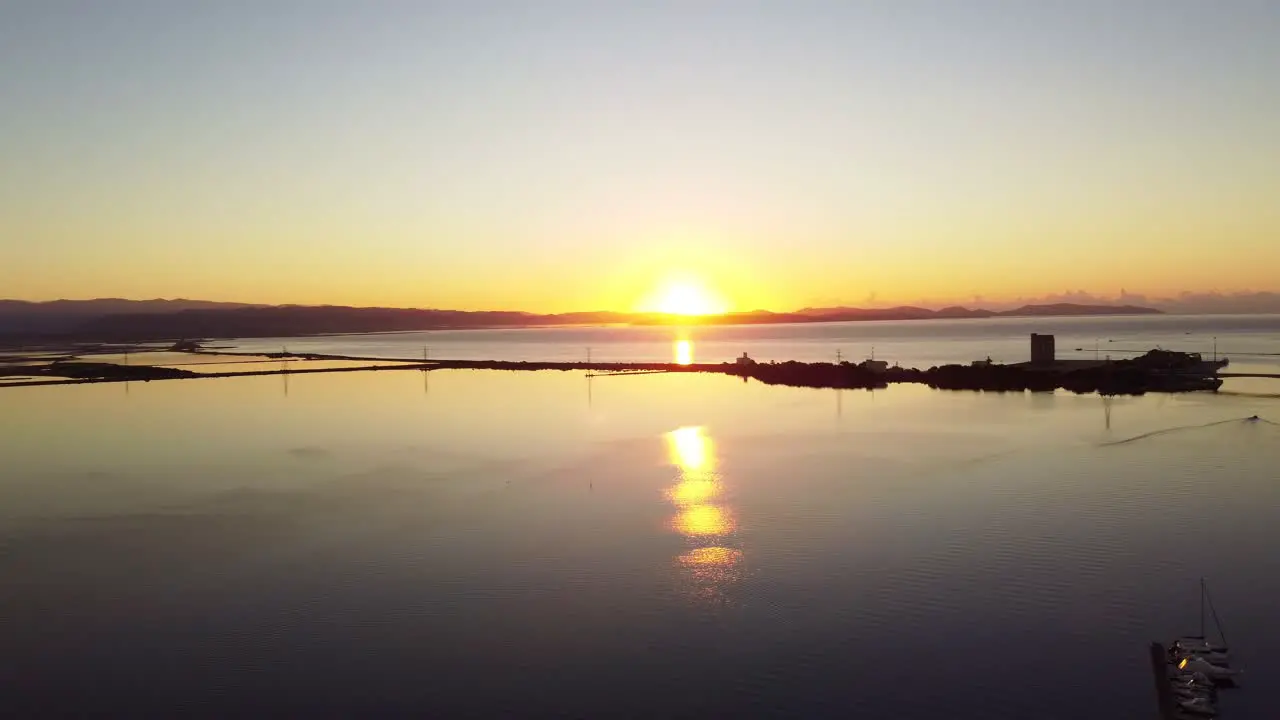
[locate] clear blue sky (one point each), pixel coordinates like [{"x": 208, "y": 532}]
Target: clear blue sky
[{"x": 558, "y": 154}]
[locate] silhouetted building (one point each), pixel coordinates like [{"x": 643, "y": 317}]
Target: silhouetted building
[
  {"x": 875, "y": 366},
  {"x": 1042, "y": 349},
  {"x": 745, "y": 360},
  {"x": 1170, "y": 360}
]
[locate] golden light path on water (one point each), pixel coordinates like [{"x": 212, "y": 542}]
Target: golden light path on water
[
  {"x": 684, "y": 352},
  {"x": 704, "y": 521},
  {"x": 701, "y": 515}
]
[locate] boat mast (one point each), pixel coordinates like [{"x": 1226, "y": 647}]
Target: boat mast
[
  {"x": 1217, "y": 622},
  {"x": 1202, "y": 635}
]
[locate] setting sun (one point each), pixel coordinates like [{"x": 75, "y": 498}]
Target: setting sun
[{"x": 687, "y": 297}]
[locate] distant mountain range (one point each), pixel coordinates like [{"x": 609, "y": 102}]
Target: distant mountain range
[
  {"x": 908, "y": 312},
  {"x": 149, "y": 320},
  {"x": 19, "y": 317}
]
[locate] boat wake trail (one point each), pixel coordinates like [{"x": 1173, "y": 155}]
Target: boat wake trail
[{"x": 1183, "y": 428}]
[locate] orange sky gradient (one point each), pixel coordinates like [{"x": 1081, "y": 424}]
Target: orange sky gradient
[{"x": 778, "y": 157}]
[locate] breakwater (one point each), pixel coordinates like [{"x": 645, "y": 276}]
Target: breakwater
[
  {"x": 1122, "y": 377},
  {"x": 1117, "y": 378}
]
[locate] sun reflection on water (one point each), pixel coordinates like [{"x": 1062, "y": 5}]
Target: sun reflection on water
[
  {"x": 684, "y": 352},
  {"x": 693, "y": 492},
  {"x": 710, "y": 557},
  {"x": 690, "y": 449},
  {"x": 704, "y": 521},
  {"x": 702, "y": 516}
]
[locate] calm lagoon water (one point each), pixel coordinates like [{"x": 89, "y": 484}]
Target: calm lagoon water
[
  {"x": 488, "y": 544},
  {"x": 1247, "y": 338}
]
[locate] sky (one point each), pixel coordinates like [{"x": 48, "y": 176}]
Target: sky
[{"x": 559, "y": 155}]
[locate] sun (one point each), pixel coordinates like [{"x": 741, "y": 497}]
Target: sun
[{"x": 688, "y": 297}]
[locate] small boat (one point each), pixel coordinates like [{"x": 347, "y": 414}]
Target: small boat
[
  {"x": 1202, "y": 700},
  {"x": 1198, "y": 648},
  {"x": 1219, "y": 659},
  {"x": 1198, "y": 645},
  {"x": 1197, "y": 667},
  {"x": 1199, "y": 706},
  {"x": 1214, "y": 672},
  {"x": 1195, "y": 690},
  {"x": 1194, "y": 680}
]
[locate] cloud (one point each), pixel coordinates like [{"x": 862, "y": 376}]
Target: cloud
[
  {"x": 1222, "y": 303},
  {"x": 1185, "y": 302}
]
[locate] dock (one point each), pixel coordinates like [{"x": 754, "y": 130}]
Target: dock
[{"x": 1163, "y": 683}]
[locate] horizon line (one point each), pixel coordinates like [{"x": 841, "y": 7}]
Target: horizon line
[{"x": 976, "y": 303}]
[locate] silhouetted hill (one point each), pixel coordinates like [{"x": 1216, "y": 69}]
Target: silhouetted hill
[
  {"x": 1066, "y": 309},
  {"x": 832, "y": 314},
  {"x": 956, "y": 311},
  {"x": 126, "y": 320},
  {"x": 19, "y": 317},
  {"x": 904, "y": 312},
  {"x": 289, "y": 320}
]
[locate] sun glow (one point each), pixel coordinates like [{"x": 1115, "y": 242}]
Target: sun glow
[
  {"x": 690, "y": 449},
  {"x": 687, "y": 296},
  {"x": 684, "y": 352}
]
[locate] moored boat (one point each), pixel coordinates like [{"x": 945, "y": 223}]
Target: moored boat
[
  {"x": 1198, "y": 706},
  {"x": 1216, "y": 658},
  {"x": 1214, "y": 672},
  {"x": 1190, "y": 670},
  {"x": 1194, "y": 680},
  {"x": 1198, "y": 645}
]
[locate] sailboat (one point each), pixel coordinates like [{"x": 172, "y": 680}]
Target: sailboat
[{"x": 1198, "y": 654}]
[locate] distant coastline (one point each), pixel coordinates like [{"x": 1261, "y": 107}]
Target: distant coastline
[
  {"x": 1155, "y": 371},
  {"x": 160, "y": 320}
]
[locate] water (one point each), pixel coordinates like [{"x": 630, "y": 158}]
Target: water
[
  {"x": 481, "y": 544},
  {"x": 1253, "y": 339}
]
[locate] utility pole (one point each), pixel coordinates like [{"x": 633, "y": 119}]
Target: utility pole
[
  {"x": 588, "y": 356},
  {"x": 1215, "y": 348},
  {"x": 839, "y": 356}
]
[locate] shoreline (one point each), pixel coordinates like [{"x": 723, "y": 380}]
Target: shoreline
[{"x": 1117, "y": 377}]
